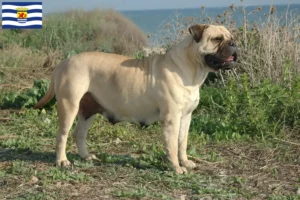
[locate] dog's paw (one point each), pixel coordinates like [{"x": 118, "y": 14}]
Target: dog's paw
[
  {"x": 90, "y": 157},
  {"x": 180, "y": 170},
  {"x": 188, "y": 164},
  {"x": 63, "y": 163}
]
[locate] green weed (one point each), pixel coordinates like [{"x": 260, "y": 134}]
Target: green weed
[
  {"x": 34, "y": 195},
  {"x": 274, "y": 197},
  {"x": 239, "y": 111},
  {"x": 25, "y": 99},
  {"x": 56, "y": 174}
]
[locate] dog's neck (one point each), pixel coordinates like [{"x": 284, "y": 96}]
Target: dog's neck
[{"x": 185, "y": 58}]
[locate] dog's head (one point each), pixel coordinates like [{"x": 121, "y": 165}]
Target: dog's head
[{"x": 214, "y": 46}]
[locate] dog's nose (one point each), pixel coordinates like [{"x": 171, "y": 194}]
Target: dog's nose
[{"x": 232, "y": 43}]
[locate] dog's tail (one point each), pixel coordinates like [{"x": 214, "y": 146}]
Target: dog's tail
[{"x": 47, "y": 97}]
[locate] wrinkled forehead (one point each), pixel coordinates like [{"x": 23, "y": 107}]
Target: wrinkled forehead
[{"x": 218, "y": 31}]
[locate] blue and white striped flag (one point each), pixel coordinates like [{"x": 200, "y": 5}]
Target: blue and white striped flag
[{"x": 25, "y": 15}]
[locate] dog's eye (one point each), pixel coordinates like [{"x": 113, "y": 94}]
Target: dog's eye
[{"x": 218, "y": 39}]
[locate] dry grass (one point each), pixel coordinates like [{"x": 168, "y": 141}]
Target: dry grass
[
  {"x": 127, "y": 37},
  {"x": 109, "y": 27},
  {"x": 271, "y": 50},
  {"x": 20, "y": 67},
  {"x": 268, "y": 49}
]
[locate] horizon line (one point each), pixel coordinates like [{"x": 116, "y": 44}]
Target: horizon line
[
  {"x": 157, "y": 9},
  {"x": 239, "y": 5}
]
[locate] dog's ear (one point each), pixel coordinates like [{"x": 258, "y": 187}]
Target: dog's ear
[{"x": 197, "y": 30}]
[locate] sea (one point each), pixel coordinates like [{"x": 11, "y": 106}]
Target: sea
[{"x": 152, "y": 22}]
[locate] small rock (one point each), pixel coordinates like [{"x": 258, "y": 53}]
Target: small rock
[
  {"x": 33, "y": 180},
  {"x": 58, "y": 184},
  {"x": 222, "y": 173},
  {"x": 298, "y": 191},
  {"x": 182, "y": 197},
  {"x": 75, "y": 194},
  {"x": 117, "y": 141}
]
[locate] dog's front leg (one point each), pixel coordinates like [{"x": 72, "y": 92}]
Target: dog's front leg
[
  {"x": 171, "y": 126},
  {"x": 183, "y": 139}
]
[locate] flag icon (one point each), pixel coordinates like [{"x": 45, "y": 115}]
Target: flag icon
[{"x": 26, "y": 15}]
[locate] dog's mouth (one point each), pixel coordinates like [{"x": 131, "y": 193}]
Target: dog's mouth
[{"x": 217, "y": 63}]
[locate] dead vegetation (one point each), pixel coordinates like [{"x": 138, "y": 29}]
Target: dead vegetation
[{"x": 268, "y": 48}]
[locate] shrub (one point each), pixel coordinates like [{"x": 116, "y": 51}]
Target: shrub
[
  {"x": 26, "y": 99},
  {"x": 239, "y": 110},
  {"x": 78, "y": 31}
]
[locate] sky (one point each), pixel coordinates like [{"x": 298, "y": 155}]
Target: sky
[{"x": 62, "y": 5}]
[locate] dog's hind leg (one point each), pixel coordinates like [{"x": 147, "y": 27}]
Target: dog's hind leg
[
  {"x": 66, "y": 110},
  {"x": 80, "y": 134}
]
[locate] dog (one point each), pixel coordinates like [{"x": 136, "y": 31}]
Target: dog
[{"x": 161, "y": 88}]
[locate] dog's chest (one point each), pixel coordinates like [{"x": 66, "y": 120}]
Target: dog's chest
[{"x": 191, "y": 100}]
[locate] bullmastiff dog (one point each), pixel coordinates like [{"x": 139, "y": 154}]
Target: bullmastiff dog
[{"x": 161, "y": 88}]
